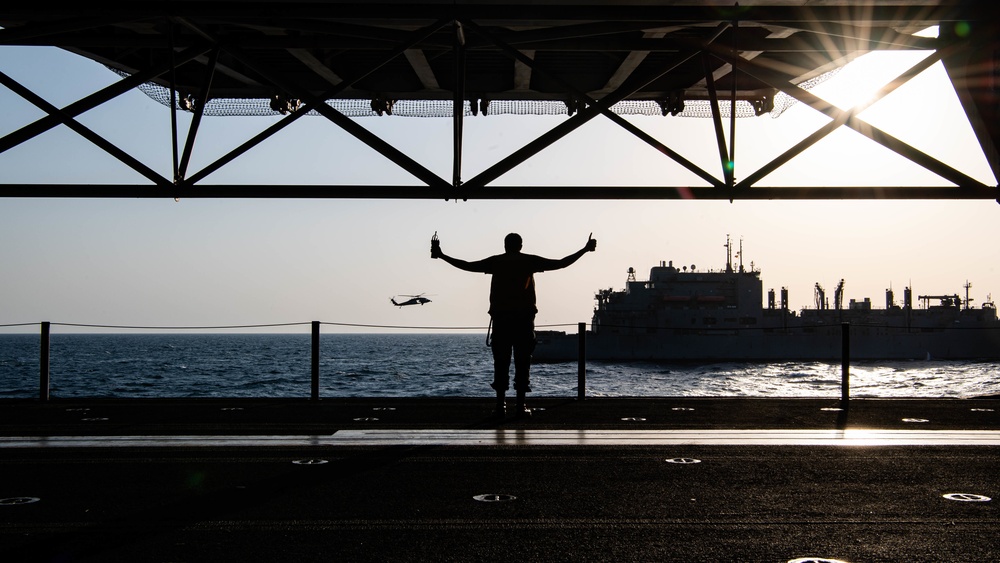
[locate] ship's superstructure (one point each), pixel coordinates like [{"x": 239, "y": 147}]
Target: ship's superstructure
[{"x": 683, "y": 313}]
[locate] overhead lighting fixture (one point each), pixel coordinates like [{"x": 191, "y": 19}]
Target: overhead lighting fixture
[
  {"x": 188, "y": 102},
  {"x": 763, "y": 104},
  {"x": 479, "y": 105},
  {"x": 282, "y": 104},
  {"x": 574, "y": 105},
  {"x": 673, "y": 103},
  {"x": 382, "y": 106}
]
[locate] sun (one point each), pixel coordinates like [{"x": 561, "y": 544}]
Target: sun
[{"x": 858, "y": 82}]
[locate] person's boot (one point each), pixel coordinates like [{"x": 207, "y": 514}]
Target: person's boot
[{"x": 521, "y": 411}]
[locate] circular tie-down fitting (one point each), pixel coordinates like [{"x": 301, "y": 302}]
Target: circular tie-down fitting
[
  {"x": 95, "y": 419},
  {"x": 494, "y": 497},
  {"x": 383, "y": 408},
  {"x": 682, "y": 409},
  {"x": 982, "y": 410},
  {"x": 633, "y": 419},
  {"x": 966, "y": 497},
  {"x": 310, "y": 462},
  {"x": 366, "y": 419},
  {"x": 915, "y": 420},
  {"x": 831, "y": 409},
  {"x": 816, "y": 560},
  {"x": 17, "y": 501},
  {"x": 683, "y": 460}
]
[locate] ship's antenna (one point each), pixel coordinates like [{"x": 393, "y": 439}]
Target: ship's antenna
[{"x": 729, "y": 255}]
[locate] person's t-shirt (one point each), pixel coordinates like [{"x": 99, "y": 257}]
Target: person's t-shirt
[{"x": 512, "y": 289}]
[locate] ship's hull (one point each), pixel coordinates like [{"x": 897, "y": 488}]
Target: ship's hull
[{"x": 820, "y": 344}]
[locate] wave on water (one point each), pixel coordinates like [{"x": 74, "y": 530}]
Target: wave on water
[{"x": 427, "y": 365}]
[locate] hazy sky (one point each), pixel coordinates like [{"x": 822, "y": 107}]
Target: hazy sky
[{"x": 246, "y": 262}]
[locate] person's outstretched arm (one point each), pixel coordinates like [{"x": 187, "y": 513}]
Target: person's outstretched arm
[
  {"x": 477, "y": 267},
  {"x": 564, "y": 262}
]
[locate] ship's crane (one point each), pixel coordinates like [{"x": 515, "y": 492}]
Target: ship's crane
[
  {"x": 946, "y": 300},
  {"x": 819, "y": 297},
  {"x": 838, "y": 295}
]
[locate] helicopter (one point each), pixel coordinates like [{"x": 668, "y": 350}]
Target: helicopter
[{"x": 414, "y": 300}]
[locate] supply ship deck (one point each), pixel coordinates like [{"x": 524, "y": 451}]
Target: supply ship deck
[{"x": 687, "y": 314}]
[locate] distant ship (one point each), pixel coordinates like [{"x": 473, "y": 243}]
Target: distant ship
[{"x": 684, "y": 314}]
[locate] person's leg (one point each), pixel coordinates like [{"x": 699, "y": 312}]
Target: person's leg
[
  {"x": 501, "y": 346},
  {"x": 524, "y": 346}
]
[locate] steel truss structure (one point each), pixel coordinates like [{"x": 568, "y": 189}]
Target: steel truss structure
[{"x": 306, "y": 56}]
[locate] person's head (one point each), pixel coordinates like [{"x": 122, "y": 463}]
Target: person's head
[{"x": 512, "y": 242}]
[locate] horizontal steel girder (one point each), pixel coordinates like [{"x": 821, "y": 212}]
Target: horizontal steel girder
[{"x": 277, "y": 191}]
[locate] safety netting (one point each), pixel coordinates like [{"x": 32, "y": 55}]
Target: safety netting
[{"x": 353, "y": 107}]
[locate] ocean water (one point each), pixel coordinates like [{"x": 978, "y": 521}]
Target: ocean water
[{"x": 133, "y": 365}]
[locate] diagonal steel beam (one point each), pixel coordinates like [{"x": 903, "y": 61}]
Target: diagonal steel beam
[
  {"x": 585, "y": 115},
  {"x": 530, "y": 63},
  {"x": 172, "y": 80},
  {"x": 720, "y": 136},
  {"x": 412, "y": 39},
  {"x": 731, "y": 164},
  {"x": 663, "y": 149},
  {"x": 840, "y": 119},
  {"x": 781, "y": 81},
  {"x": 124, "y": 85},
  {"x": 458, "y": 105},
  {"x": 344, "y": 122},
  {"x": 82, "y": 130},
  {"x": 199, "y": 111},
  {"x": 973, "y": 75}
]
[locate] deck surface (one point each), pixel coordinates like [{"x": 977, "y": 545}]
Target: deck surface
[{"x": 425, "y": 479}]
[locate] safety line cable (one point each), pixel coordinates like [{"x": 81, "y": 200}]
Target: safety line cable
[
  {"x": 178, "y": 327},
  {"x": 431, "y": 327},
  {"x": 225, "y": 327}
]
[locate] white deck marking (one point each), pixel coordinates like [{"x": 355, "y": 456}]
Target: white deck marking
[{"x": 505, "y": 437}]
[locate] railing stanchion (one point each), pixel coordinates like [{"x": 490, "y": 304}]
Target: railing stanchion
[
  {"x": 43, "y": 363},
  {"x": 845, "y": 363},
  {"x": 581, "y": 369},
  {"x": 315, "y": 361}
]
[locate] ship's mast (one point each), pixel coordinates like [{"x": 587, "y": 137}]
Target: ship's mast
[{"x": 740, "y": 254}]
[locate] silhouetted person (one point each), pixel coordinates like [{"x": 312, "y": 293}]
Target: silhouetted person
[{"x": 512, "y": 310}]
